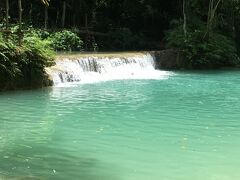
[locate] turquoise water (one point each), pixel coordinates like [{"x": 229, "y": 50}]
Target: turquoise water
[{"x": 181, "y": 128}]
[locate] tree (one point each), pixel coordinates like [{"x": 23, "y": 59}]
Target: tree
[
  {"x": 20, "y": 34},
  {"x": 63, "y": 14},
  {"x": 7, "y": 13},
  {"x": 212, "y": 8},
  {"x": 184, "y": 19},
  {"x": 46, "y": 4}
]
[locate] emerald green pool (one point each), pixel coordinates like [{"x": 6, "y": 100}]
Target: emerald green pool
[{"x": 185, "y": 127}]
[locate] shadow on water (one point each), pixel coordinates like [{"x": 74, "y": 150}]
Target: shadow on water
[
  {"x": 32, "y": 147},
  {"x": 46, "y": 163},
  {"x": 41, "y": 157}
]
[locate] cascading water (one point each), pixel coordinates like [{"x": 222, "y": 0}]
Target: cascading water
[{"x": 94, "y": 69}]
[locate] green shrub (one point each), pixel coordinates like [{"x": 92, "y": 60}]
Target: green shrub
[
  {"x": 39, "y": 48},
  {"x": 37, "y": 54},
  {"x": 9, "y": 68},
  {"x": 23, "y": 66},
  {"x": 43, "y": 34},
  {"x": 217, "y": 51},
  {"x": 66, "y": 41}
]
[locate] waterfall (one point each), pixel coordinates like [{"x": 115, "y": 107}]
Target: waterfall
[{"x": 89, "y": 69}]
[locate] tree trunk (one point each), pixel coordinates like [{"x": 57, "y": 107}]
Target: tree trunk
[
  {"x": 86, "y": 21},
  {"x": 7, "y": 13},
  {"x": 64, "y": 14},
  {"x": 74, "y": 20},
  {"x": 46, "y": 18},
  {"x": 184, "y": 19},
  {"x": 87, "y": 35},
  {"x": 211, "y": 15},
  {"x": 20, "y": 22},
  {"x": 210, "y": 7},
  {"x": 20, "y": 13},
  {"x": 57, "y": 16},
  {"x": 30, "y": 12}
]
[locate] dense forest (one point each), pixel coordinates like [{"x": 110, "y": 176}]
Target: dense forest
[
  {"x": 205, "y": 32},
  {"x": 127, "y": 25},
  {"x": 131, "y": 22}
]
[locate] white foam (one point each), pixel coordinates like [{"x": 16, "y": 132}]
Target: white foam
[{"x": 94, "y": 69}]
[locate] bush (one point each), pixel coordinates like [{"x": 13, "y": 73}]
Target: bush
[
  {"x": 66, "y": 41},
  {"x": 39, "y": 48},
  {"x": 37, "y": 54},
  {"x": 217, "y": 51},
  {"x": 9, "y": 68},
  {"x": 23, "y": 66},
  {"x": 43, "y": 34}
]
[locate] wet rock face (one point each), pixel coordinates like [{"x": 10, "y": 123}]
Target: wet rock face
[{"x": 167, "y": 59}]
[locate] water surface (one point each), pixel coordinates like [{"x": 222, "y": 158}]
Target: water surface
[{"x": 181, "y": 128}]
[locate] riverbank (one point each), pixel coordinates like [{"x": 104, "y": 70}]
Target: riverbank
[{"x": 92, "y": 63}]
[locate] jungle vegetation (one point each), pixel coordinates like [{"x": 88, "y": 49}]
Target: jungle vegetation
[{"x": 206, "y": 33}]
